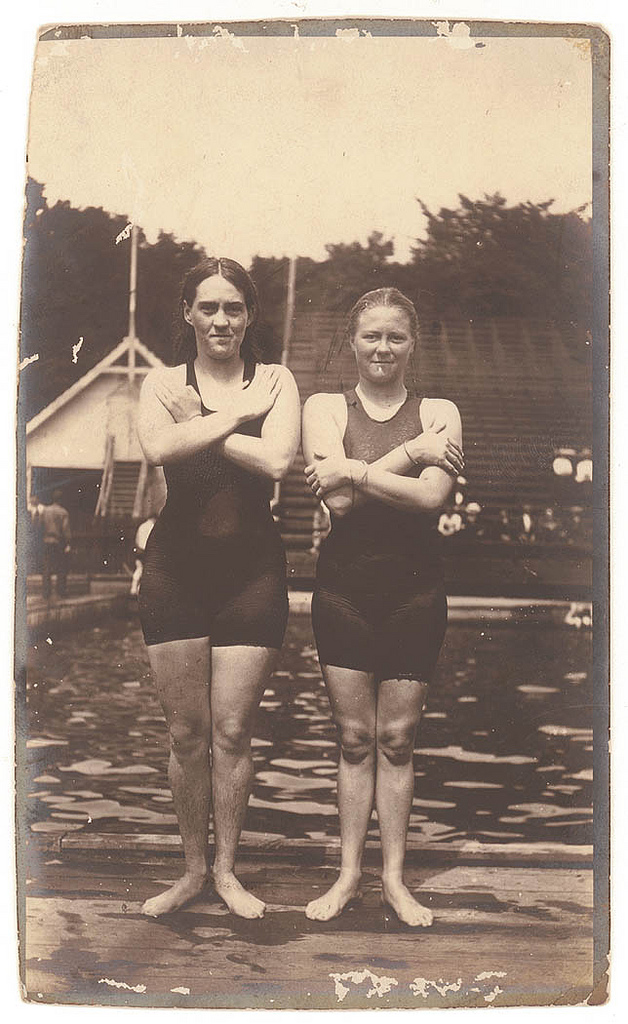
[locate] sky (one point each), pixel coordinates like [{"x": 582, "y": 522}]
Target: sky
[{"x": 279, "y": 146}]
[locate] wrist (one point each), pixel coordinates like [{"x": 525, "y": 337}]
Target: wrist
[
  {"x": 414, "y": 449},
  {"x": 358, "y": 470}
]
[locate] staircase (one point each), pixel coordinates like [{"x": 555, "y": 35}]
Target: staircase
[{"x": 123, "y": 488}]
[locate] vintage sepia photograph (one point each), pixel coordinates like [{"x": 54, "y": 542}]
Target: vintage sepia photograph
[{"x": 311, "y": 623}]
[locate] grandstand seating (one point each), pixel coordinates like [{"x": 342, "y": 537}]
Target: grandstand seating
[{"x": 522, "y": 387}]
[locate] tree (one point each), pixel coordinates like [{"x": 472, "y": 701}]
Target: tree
[{"x": 488, "y": 259}]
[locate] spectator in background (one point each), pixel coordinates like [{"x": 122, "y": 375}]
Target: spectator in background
[
  {"x": 548, "y": 526},
  {"x": 473, "y": 525},
  {"x": 449, "y": 523},
  {"x": 54, "y": 524},
  {"x": 577, "y": 532},
  {"x": 526, "y": 527},
  {"x": 504, "y": 531},
  {"x": 584, "y": 469},
  {"x": 35, "y": 508},
  {"x": 144, "y": 531}
]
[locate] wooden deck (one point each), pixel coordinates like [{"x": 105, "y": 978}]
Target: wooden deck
[{"x": 503, "y": 935}]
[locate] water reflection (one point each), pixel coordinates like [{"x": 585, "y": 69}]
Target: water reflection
[{"x": 504, "y": 750}]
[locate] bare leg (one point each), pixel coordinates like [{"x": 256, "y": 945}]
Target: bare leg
[
  {"x": 352, "y": 699},
  {"x": 399, "y": 707},
  {"x": 181, "y": 669},
  {"x": 239, "y": 676}
]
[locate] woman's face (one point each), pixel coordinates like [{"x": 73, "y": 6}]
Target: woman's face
[
  {"x": 382, "y": 344},
  {"x": 219, "y": 317}
]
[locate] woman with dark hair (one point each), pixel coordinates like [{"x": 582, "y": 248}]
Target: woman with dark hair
[
  {"x": 384, "y": 462},
  {"x": 213, "y": 601}
]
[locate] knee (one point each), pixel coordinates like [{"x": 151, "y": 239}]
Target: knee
[
  {"x": 357, "y": 743},
  {"x": 231, "y": 736},
  {"x": 396, "y": 744},
  {"x": 189, "y": 739}
]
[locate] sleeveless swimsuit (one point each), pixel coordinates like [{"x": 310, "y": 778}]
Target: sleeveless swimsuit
[
  {"x": 214, "y": 564},
  {"x": 379, "y": 604}
]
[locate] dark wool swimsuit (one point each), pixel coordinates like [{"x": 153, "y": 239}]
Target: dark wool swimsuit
[
  {"x": 379, "y": 604},
  {"x": 214, "y": 563}
]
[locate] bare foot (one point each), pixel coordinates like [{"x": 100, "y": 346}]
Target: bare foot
[
  {"x": 334, "y": 901},
  {"x": 238, "y": 900},
  {"x": 405, "y": 906},
  {"x": 185, "y": 889}
]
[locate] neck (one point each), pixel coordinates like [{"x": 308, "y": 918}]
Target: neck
[
  {"x": 384, "y": 394},
  {"x": 226, "y": 371}
]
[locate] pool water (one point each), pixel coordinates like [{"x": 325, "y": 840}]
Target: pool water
[{"x": 504, "y": 751}]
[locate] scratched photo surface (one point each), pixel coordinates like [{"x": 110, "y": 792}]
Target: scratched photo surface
[{"x": 465, "y": 165}]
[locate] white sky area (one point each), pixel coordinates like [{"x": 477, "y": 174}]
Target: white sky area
[{"x": 279, "y": 146}]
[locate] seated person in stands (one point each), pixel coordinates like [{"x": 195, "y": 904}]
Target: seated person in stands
[
  {"x": 526, "y": 526},
  {"x": 504, "y": 530},
  {"x": 449, "y": 523},
  {"x": 473, "y": 525},
  {"x": 548, "y": 527}
]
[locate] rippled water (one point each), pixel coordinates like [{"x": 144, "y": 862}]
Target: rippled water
[{"x": 504, "y": 750}]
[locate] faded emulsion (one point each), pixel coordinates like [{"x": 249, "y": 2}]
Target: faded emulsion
[{"x": 340, "y": 162}]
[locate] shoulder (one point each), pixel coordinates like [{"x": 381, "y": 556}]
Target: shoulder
[
  {"x": 325, "y": 402},
  {"x": 166, "y": 374},
  {"x": 325, "y": 405},
  {"x": 439, "y": 408},
  {"x": 286, "y": 376}
]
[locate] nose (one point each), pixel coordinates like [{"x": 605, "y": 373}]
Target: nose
[
  {"x": 383, "y": 344},
  {"x": 220, "y": 318}
]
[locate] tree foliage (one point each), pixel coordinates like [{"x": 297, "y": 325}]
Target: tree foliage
[{"x": 489, "y": 259}]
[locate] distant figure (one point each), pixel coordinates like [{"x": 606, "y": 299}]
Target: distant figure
[
  {"x": 449, "y": 523},
  {"x": 473, "y": 526},
  {"x": 504, "y": 531},
  {"x": 35, "y": 507},
  {"x": 526, "y": 526},
  {"x": 577, "y": 532},
  {"x": 548, "y": 526},
  {"x": 584, "y": 470},
  {"x": 54, "y": 524},
  {"x": 143, "y": 533}
]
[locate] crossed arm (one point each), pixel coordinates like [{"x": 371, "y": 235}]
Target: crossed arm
[
  {"x": 343, "y": 483},
  {"x": 171, "y": 427}
]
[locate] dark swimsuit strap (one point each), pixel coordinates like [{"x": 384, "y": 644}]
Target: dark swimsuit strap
[{"x": 191, "y": 378}]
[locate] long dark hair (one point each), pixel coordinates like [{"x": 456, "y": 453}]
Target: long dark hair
[{"x": 252, "y": 348}]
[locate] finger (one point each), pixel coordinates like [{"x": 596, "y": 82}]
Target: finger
[
  {"x": 309, "y": 469},
  {"x": 455, "y": 446}
]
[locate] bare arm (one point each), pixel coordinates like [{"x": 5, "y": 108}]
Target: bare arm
[
  {"x": 163, "y": 440},
  {"x": 273, "y": 452},
  {"x": 426, "y": 493},
  {"x": 323, "y": 430}
]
